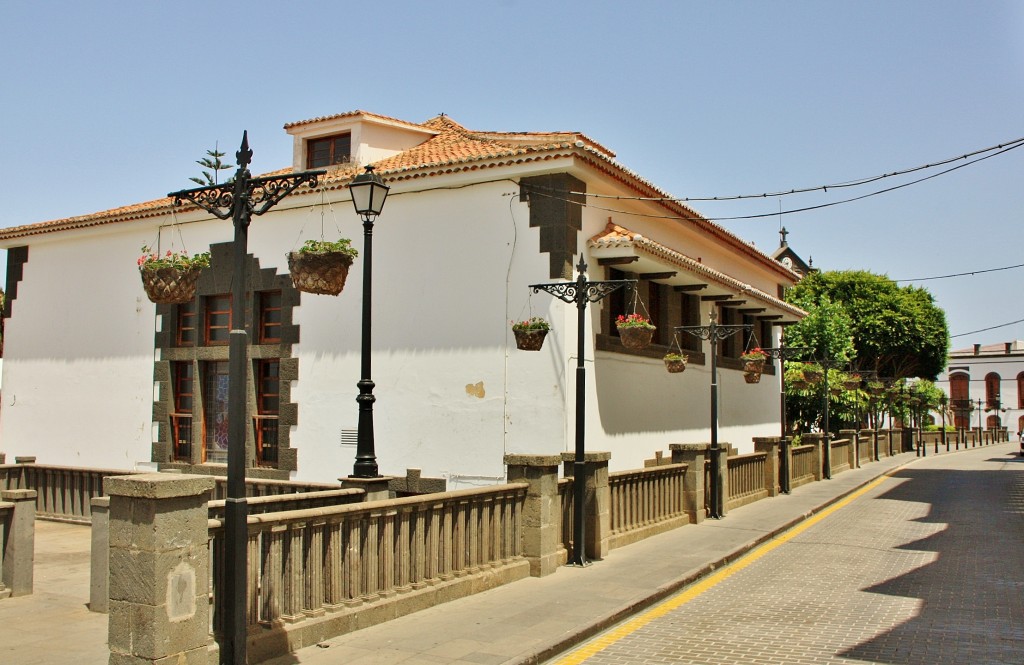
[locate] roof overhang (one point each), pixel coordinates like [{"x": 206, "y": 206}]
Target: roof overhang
[{"x": 634, "y": 253}]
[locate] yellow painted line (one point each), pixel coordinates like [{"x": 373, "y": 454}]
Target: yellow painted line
[{"x": 602, "y": 642}]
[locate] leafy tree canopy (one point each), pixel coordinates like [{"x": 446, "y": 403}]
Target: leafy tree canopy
[{"x": 896, "y": 331}]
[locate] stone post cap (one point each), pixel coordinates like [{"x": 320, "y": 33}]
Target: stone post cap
[
  {"x": 18, "y": 495},
  {"x": 767, "y": 439},
  {"x": 158, "y": 485},
  {"x": 596, "y": 456},
  {"x": 100, "y": 502},
  {"x": 694, "y": 447},
  {"x": 533, "y": 460}
]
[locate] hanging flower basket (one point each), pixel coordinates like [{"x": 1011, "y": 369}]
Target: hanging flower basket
[
  {"x": 813, "y": 374},
  {"x": 171, "y": 279},
  {"x": 675, "y": 363},
  {"x": 852, "y": 383},
  {"x": 836, "y": 391},
  {"x": 635, "y": 331},
  {"x": 800, "y": 384},
  {"x": 530, "y": 334},
  {"x": 321, "y": 267},
  {"x": 752, "y": 377},
  {"x": 876, "y": 388}
]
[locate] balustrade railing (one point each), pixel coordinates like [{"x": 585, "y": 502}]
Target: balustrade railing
[
  {"x": 645, "y": 498},
  {"x": 803, "y": 465},
  {"x": 746, "y": 479},
  {"x": 840, "y": 457},
  {"x": 305, "y": 563}
]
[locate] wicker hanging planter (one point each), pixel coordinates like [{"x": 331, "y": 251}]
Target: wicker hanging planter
[
  {"x": 170, "y": 279},
  {"x": 752, "y": 377},
  {"x": 634, "y": 338},
  {"x": 752, "y": 369},
  {"x": 851, "y": 384},
  {"x": 170, "y": 285},
  {"x": 323, "y": 273},
  {"x": 529, "y": 340},
  {"x": 813, "y": 374},
  {"x": 675, "y": 364}
]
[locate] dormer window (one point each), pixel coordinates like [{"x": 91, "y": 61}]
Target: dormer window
[{"x": 329, "y": 151}]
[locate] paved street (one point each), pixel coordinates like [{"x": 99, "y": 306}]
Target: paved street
[{"x": 926, "y": 566}]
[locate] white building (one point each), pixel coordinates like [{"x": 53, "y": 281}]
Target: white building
[
  {"x": 96, "y": 375},
  {"x": 993, "y": 374}
]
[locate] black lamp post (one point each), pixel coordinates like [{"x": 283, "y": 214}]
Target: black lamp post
[
  {"x": 368, "y": 194},
  {"x": 239, "y": 200},
  {"x": 784, "y": 353},
  {"x": 714, "y": 333},
  {"x": 943, "y": 402},
  {"x": 581, "y": 292}
]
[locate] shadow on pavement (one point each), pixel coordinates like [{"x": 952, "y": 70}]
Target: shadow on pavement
[{"x": 972, "y": 594}]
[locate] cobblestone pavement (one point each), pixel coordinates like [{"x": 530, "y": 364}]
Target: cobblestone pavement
[{"x": 925, "y": 567}]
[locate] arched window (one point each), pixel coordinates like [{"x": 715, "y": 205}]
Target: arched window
[
  {"x": 1020, "y": 390},
  {"x": 992, "y": 382},
  {"x": 993, "y": 422},
  {"x": 959, "y": 394}
]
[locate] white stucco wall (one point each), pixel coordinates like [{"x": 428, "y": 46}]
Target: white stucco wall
[{"x": 451, "y": 270}]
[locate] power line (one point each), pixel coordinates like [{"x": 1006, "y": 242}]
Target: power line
[
  {"x": 824, "y": 188},
  {"x": 1001, "y": 325},
  {"x": 960, "y": 274},
  {"x": 538, "y": 189}
]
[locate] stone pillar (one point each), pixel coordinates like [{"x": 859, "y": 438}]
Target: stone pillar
[
  {"x": 818, "y": 457},
  {"x": 770, "y": 445},
  {"x": 377, "y": 489},
  {"x": 599, "y": 501},
  {"x": 542, "y": 538},
  {"x": 693, "y": 456},
  {"x": 854, "y": 446},
  {"x": 20, "y": 545},
  {"x": 99, "y": 568},
  {"x": 159, "y": 569},
  {"x": 723, "y": 471}
]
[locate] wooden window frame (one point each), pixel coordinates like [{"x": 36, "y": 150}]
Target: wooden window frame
[
  {"x": 266, "y": 308},
  {"x": 183, "y": 390},
  {"x": 209, "y": 311},
  {"x": 186, "y": 318},
  {"x": 266, "y": 419},
  {"x": 333, "y": 158}
]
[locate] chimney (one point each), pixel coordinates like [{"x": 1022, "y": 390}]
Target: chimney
[
  {"x": 977, "y": 349},
  {"x": 1009, "y": 347}
]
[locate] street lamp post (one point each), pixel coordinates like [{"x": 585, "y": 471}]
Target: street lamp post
[
  {"x": 368, "y": 194},
  {"x": 784, "y": 353},
  {"x": 581, "y": 292},
  {"x": 239, "y": 201},
  {"x": 714, "y": 333}
]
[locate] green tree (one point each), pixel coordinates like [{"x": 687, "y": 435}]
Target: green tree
[
  {"x": 215, "y": 166},
  {"x": 897, "y": 331}
]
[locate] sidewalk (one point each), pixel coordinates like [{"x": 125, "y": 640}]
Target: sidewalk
[
  {"x": 519, "y": 624},
  {"x": 532, "y": 620}
]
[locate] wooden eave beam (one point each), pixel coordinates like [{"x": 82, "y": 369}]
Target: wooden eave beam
[
  {"x": 618, "y": 260},
  {"x": 734, "y": 303},
  {"x": 718, "y": 298},
  {"x": 752, "y": 310},
  {"x": 686, "y": 288},
  {"x": 657, "y": 275}
]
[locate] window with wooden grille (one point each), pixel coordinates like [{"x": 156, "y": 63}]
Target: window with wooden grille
[
  {"x": 268, "y": 404},
  {"x": 181, "y": 417},
  {"x": 217, "y": 323},
  {"x": 270, "y": 317},
  {"x": 185, "y": 331},
  {"x": 328, "y": 151}
]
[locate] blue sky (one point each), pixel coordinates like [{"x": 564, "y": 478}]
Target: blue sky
[{"x": 110, "y": 103}]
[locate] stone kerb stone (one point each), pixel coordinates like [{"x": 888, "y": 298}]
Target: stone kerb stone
[
  {"x": 693, "y": 455},
  {"x": 159, "y": 568},
  {"x": 599, "y": 501},
  {"x": 542, "y": 537}
]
